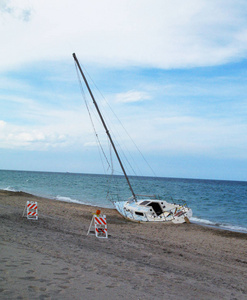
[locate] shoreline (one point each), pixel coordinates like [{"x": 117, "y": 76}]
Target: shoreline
[
  {"x": 54, "y": 258},
  {"x": 93, "y": 208},
  {"x": 203, "y": 224}
]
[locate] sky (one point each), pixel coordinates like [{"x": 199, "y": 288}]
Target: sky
[{"x": 173, "y": 72}]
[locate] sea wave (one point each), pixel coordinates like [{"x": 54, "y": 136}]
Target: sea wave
[
  {"x": 68, "y": 199},
  {"x": 10, "y": 189},
  {"x": 219, "y": 225}
]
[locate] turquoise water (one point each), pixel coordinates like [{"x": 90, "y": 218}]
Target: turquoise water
[{"x": 214, "y": 203}]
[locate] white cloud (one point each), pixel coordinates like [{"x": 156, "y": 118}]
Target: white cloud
[
  {"x": 13, "y": 9},
  {"x": 161, "y": 132},
  {"x": 164, "y": 34},
  {"x": 32, "y": 125},
  {"x": 131, "y": 96},
  {"x": 24, "y": 137},
  {"x": 2, "y": 124}
]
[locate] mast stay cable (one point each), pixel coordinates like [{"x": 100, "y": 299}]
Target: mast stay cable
[
  {"x": 105, "y": 127},
  {"x": 91, "y": 119},
  {"x": 126, "y": 132}
]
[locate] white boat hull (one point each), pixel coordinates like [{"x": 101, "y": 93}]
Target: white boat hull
[{"x": 153, "y": 210}]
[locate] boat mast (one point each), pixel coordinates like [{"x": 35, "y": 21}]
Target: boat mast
[{"x": 104, "y": 124}]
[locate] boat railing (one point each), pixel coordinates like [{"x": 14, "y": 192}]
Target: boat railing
[
  {"x": 181, "y": 202},
  {"x": 146, "y": 196},
  {"x": 115, "y": 197}
]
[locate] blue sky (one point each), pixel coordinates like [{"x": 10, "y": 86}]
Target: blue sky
[{"x": 174, "y": 72}]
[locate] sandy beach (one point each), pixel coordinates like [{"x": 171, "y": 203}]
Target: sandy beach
[{"x": 53, "y": 258}]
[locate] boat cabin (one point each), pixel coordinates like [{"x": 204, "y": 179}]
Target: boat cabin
[
  {"x": 157, "y": 208},
  {"x": 146, "y": 207}
]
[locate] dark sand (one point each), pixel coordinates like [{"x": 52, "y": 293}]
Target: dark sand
[{"x": 53, "y": 258}]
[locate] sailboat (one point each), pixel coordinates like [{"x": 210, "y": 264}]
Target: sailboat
[{"x": 140, "y": 208}]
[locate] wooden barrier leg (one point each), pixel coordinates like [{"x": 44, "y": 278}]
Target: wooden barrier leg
[
  {"x": 24, "y": 210},
  {"x": 90, "y": 226}
]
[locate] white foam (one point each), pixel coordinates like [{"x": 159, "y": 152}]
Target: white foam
[
  {"x": 218, "y": 225},
  {"x": 10, "y": 189},
  {"x": 68, "y": 199},
  {"x": 202, "y": 221},
  {"x": 234, "y": 228}
]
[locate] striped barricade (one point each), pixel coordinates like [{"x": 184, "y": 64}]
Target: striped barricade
[
  {"x": 100, "y": 226},
  {"x": 31, "y": 210}
]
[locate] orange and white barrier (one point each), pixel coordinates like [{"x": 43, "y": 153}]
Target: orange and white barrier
[
  {"x": 31, "y": 210},
  {"x": 100, "y": 226}
]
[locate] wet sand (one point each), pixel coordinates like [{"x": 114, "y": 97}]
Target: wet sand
[{"x": 53, "y": 258}]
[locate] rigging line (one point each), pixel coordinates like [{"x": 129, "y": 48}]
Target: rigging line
[
  {"x": 116, "y": 141},
  {"x": 90, "y": 116},
  {"x": 143, "y": 157},
  {"x": 111, "y": 178},
  {"x": 110, "y": 150},
  {"x": 123, "y": 156},
  {"x": 104, "y": 125},
  {"x": 126, "y": 159},
  {"x": 125, "y": 152},
  {"x": 110, "y": 164}
]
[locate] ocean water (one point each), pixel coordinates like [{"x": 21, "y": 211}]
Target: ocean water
[{"x": 214, "y": 203}]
